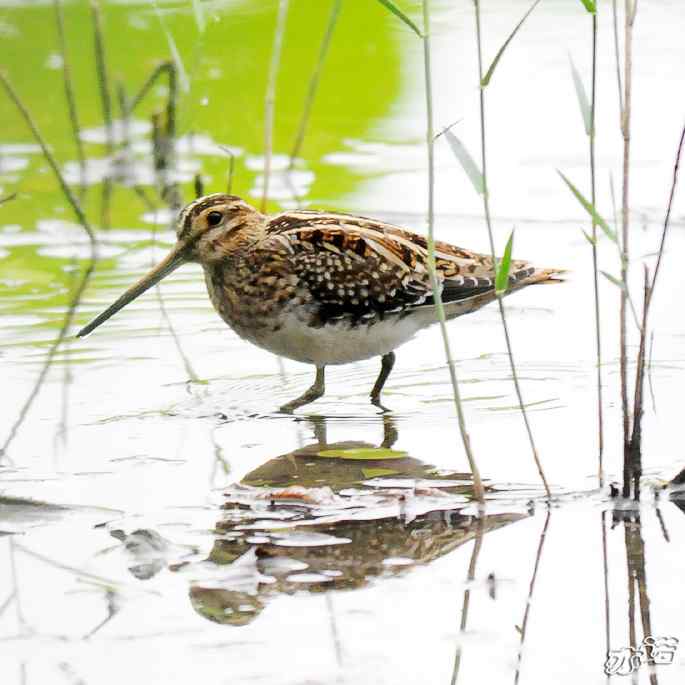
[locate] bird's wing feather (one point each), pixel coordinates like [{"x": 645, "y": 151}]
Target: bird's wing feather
[{"x": 364, "y": 268}]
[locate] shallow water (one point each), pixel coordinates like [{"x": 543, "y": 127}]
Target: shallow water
[{"x": 160, "y": 521}]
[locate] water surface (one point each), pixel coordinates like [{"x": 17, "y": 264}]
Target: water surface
[{"x": 162, "y": 522}]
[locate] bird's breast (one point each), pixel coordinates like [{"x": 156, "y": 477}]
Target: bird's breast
[{"x": 279, "y": 316}]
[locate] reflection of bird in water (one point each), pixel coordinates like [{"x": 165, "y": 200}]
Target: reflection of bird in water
[
  {"x": 295, "y": 468},
  {"x": 285, "y": 544},
  {"x": 228, "y": 607},
  {"x": 323, "y": 288},
  {"x": 384, "y": 513},
  {"x": 376, "y": 548}
]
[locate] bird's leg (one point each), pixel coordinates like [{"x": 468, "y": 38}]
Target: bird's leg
[
  {"x": 387, "y": 362},
  {"x": 390, "y": 434},
  {"x": 316, "y": 391},
  {"x": 318, "y": 425}
]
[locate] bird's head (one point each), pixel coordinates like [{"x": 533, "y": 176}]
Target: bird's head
[
  {"x": 208, "y": 230},
  {"x": 213, "y": 226}
]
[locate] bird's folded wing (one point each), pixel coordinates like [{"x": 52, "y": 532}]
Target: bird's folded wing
[{"x": 364, "y": 268}]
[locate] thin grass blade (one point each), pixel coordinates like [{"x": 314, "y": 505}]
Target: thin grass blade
[
  {"x": 581, "y": 94},
  {"x": 616, "y": 281},
  {"x": 502, "y": 276},
  {"x": 199, "y": 13},
  {"x": 467, "y": 162},
  {"x": 488, "y": 74},
  {"x": 392, "y": 7},
  {"x": 610, "y": 233},
  {"x": 183, "y": 79},
  {"x": 588, "y": 237},
  {"x": 622, "y": 285}
]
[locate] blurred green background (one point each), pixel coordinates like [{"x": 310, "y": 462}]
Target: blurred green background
[{"x": 224, "y": 50}]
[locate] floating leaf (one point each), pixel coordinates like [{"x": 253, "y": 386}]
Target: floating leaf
[
  {"x": 488, "y": 75},
  {"x": 392, "y": 7},
  {"x": 583, "y": 103},
  {"x": 467, "y": 162},
  {"x": 590, "y": 209},
  {"x": 590, "y": 6},
  {"x": 362, "y": 453},
  {"x": 502, "y": 277}
]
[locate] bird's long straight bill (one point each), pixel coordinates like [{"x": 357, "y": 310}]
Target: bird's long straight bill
[{"x": 172, "y": 261}]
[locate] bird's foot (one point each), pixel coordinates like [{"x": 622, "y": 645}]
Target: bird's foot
[
  {"x": 376, "y": 401},
  {"x": 317, "y": 390}
]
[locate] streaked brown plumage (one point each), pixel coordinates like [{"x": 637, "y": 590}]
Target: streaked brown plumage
[{"x": 320, "y": 287}]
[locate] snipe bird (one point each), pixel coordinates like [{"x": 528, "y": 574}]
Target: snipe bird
[{"x": 320, "y": 287}]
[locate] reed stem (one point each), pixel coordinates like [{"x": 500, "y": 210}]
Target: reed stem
[
  {"x": 90, "y": 265},
  {"x": 595, "y": 269},
  {"x": 475, "y": 553},
  {"x": 435, "y": 286},
  {"x": 630, "y": 10},
  {"x": 617, "y": 53},
  {"x": 168, "y": 68},
  {"x": 102, "y": 72},
  {"x": 488, "y": 222},
  {"x": 270, "y": 98},
  {"x": 531, "y": 590},
  {"x": 667, "y": 218},
  {"x": 635, "y": 449},
  {"x": 314, "y": 83},
  {"x": 69, "y": 90},
  {"x": 605, "y": 576}
]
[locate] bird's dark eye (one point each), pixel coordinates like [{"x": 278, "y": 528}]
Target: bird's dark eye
[{"x": 214, "y": 218}]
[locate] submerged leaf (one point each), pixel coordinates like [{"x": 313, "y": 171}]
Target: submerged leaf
[
  {"x": 392, "y": 7},
  {"x": 467, "y": 162},
  {"x": 375, "y": 473},
  {"x": 589, "y": 208},
  {"x": 583, "y": 103},
  {"x": 362, "y": 453},
  {"x": 488, "y": 75},
  {"x": 502, "y": 277}
]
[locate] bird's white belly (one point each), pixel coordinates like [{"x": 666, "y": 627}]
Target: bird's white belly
[{"x": 338, "y": 343}]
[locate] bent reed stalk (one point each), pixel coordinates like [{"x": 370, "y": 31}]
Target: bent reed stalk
[
  {"x": 430, "y": 143},
  {"x": 90, "y": 265},
  {"x": 488, "y": 222}
]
